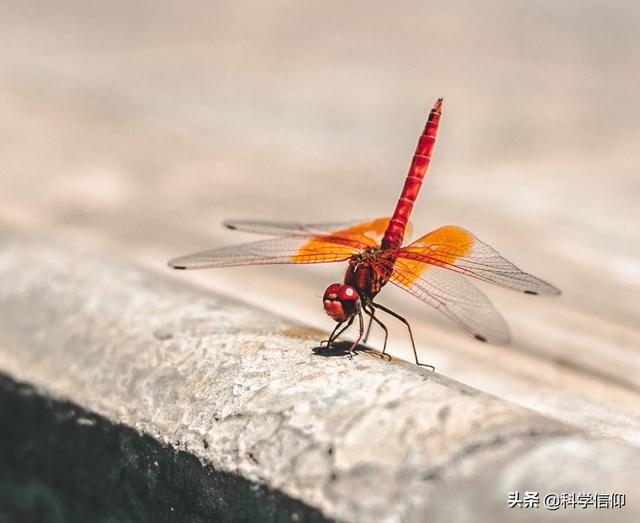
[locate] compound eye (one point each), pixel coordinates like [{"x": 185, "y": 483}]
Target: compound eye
[
  {"x": 347, "y": 293},
  {"x": 332, "y": 290}
]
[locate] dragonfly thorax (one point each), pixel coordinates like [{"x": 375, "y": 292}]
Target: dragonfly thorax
[{"x": 363, "y": 276}]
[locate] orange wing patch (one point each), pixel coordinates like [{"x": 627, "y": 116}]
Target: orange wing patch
[
  {"x": 319, "y": 249},
  {"x": 369, "y": 233},
  {"x": 442, "y": 247},
  {"x": 458, "y": 250},
  {"x": 346, "y": 241}
]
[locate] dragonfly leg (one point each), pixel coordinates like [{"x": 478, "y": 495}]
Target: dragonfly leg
[
  {"x": 355, "y": 343},
  {"x": 335, "y": 335},
  {"x": 413, "y": 345},
  {"x": 331, "y": 336},
  {"x": 372, "y": 316}
]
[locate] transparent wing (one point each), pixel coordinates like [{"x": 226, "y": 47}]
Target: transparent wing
[
  {"x": 279, "y": 250},
  {"x": 456, "y": 298},
  {"x": 299, "y": 244},
  {"x": 275, "y": 228},
  {"x": 369, "y": 233},
  {"x": 458, "y": 250}
]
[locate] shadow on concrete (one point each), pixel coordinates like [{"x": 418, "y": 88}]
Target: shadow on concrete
[
  {"x": 60, "y": 463},
  {"x": 341, "y": 348},
  {"x": 337, "y": 348}
]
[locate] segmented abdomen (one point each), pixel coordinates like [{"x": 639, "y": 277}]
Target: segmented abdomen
[{"x": 394, "y": 234}]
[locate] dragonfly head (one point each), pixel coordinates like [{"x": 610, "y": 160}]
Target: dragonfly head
[{"x": 341, "y": 302}]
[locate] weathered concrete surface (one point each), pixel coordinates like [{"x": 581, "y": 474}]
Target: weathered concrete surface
[
  {"x": 360, "y": 440},
  {"x": 143, "y": 137},
  {"x": 60, "y": 463}
]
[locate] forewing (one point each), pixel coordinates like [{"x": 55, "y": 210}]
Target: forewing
[
  {"x": 276, "y": 228},
  {"x": 369, "y": 233},
  {"x": 456, "y": 298},
  {"x": 458, "y": 250},
  {"x": 291, "y": 249}
]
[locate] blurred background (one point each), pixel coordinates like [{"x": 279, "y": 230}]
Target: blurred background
[{"x": 134, "y": 128}]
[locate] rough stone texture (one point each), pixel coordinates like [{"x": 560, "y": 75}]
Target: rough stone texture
[
  {"x": 134, "y": 132},
  {"x": 251, "y": 395},
  {"x": 139, "y": 130},
  {"x": 60, "y": 463}
]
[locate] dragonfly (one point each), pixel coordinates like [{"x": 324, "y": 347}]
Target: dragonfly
[{"x": 434, "y": 268}]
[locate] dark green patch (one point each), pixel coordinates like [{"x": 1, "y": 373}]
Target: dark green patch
[{"x": 60, "y": 463}]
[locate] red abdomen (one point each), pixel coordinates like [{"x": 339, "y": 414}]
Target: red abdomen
[{"x": 394, "y": 234}]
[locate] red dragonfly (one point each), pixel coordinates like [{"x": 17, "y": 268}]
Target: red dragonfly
[{"x": 432, "y": 268}]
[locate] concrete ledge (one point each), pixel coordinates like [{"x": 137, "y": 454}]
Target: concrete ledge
[
  {"x": 234, "y": 390},
  {"x": 60, "y": 463}
]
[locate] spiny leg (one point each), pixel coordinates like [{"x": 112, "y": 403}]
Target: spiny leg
[
  {"x": 335, "y": 335},
  {"x": 372, "y": 316},
  {"x": 328, "y": 342},
  {"x": 366, "y": 336},
  {"x": 355, "y": 343},
  {"x": 413, "y": 345}
]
